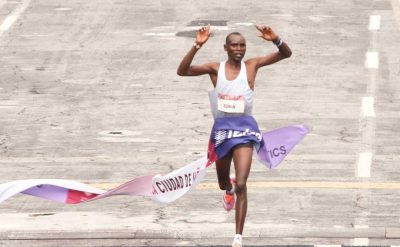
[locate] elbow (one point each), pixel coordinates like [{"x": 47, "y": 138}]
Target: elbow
[
  {"x": 288, "y": 54},
  {"x": 181, "y": 72}
]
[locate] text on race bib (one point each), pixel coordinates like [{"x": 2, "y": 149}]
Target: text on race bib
[{"x": 230, "y": 104}]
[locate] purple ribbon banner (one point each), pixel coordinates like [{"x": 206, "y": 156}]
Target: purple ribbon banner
[{"x": 162, "y": 188}]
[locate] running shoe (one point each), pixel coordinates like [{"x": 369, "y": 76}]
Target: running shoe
[
  {"x": 229, "y": 199},
  {"x": 237, "y": 241}
]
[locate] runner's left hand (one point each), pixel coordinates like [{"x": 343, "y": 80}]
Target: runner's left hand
[{"x": 267, "y": 33}]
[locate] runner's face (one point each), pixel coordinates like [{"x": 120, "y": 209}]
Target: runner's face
[{"x": 236, "y": 47}]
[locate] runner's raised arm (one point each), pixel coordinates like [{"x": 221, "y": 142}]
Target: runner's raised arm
[
  {"x": 284, "y": 51},
  {"x": 185, "y": 68}
]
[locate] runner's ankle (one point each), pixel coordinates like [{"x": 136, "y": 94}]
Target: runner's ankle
[{"x": 231, "y": 191}]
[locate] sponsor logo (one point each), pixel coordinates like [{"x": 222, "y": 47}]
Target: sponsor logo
[
  {"x": 276, "y": 152},
  {"x": 247, "y": 132}
]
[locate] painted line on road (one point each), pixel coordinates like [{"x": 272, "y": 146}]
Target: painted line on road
[
  {"x": 367, "y": 106},
  {"x": 136, "y": 85},
  {"x": 8, "y": 22},
  {"x": 360, "y": 242},
  {"x": 288, "y": 184},
  {"x": 246, "y": 24},
  {"x": 372, "y": 60},
  {"x": 327, "y": 245},
  {"x": 160, "y": 34},
  {"x": 13, "y": 16},
  {"x": 361, "y": 226},
  {"x": 63, "y": 9},
  {"x": 364, "y": 165},
  {"x": 374, "y": 22}
]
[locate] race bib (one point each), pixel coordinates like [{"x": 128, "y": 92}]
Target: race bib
[{"x": 230, "y": 104}]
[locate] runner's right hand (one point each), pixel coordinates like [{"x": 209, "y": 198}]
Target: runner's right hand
[{"x": 203, "y": 34}]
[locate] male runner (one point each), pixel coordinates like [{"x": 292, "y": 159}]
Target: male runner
[{"x": 234, "y": 82}]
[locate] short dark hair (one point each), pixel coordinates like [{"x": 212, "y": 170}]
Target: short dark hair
[{"x": 229, "y": 35}]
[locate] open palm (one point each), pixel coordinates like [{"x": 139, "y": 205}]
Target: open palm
[
  {"x": 202, "y": 35},
  {"x": 267, "y": 33}
]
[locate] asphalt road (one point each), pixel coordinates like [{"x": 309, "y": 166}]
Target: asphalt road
[{"x": 89, "y": 92}]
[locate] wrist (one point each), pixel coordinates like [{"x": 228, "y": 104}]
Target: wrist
[
  {"x": 278, "y": 42},
  {"x": 197, "y": 45}
]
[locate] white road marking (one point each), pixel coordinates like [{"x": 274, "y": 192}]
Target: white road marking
[
  {"x": 63, "y": 9},
  {"x": 364, "y": 165},
  {"x": 374, "y": 22},
  {"x": 8, "y": 104},
  {"x": 372, "y": 60},
  {"x": 83, "y": 81},
  {"x": 159, "y": 34},
  {"x": 368, "y": 124},
  {"x": 247, "y": 24},
  {"x": 34, "y": 35},
  {"x": 327, "y": 245},
  {"x": 8, "y": 22},
  {"x": 170, "y": 151},
  {"x": 136, "y": 85},
  {"x": 360, "y": 242},
  {"x": 13, "y": 16},
  {"x": 367, "y": 107}
]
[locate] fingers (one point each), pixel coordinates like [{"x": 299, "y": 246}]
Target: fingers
[
  {"x": 205, "y": 29},
  {"x": 209, "y": 29},
  {"x": 259, "y": 28},
  {"x": 263, "y": 29}
]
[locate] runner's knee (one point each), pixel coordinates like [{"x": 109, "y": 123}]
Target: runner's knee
[{"x": 241, "y": 186}]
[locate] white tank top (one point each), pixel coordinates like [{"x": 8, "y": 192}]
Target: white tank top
[{"x": 231, "y": 98}]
